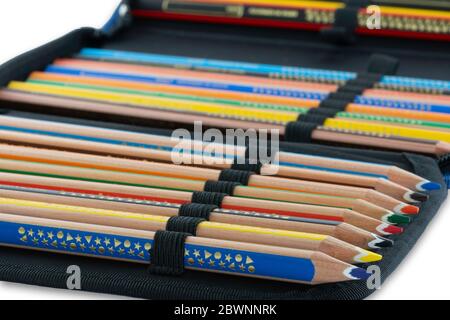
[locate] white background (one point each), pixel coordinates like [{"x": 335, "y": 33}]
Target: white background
[{"x": 25, "y": 24}]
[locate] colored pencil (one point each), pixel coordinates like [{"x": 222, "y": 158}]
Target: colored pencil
[
  {"x": 158, "y": 142},
  {"x": 251, "y": 260},
  {"x": 306, "y": 186},
  {"x": 187, "y": 78},
  {"x": 136, "y": 152},
  {"x": 308, "y": 212},
  {"x": 145, "y": 167},
  {"x": 178, "y": 180},
  {"x": 286, "y": 72},
  {"x": 430, "y": 125},
  {"x": 342, "y": 231},
  {"x": 60, "y": 104},
  {"x": 350, "y": 125},
  {"x": 280, "y": 238},
  {"x": 220, "y": 95}
]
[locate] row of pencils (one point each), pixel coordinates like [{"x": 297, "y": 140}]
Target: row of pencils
[
  {"x": 102, "y": 192},
  {"x": 407, "y": 19}
]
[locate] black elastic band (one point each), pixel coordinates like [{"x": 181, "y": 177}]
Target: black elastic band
[
  {"x": 299, "y": 131},
  {"x": 204, "y": 197},
  {"x": 238, "y": 176},
  {"x": 196, "y": 210},
  {"x": 183, "y": 224},
  {"x": 247, "y": 167},
  {"x": 167, "y": 253},
  {"x": 345, "y": 23},
  {"x": 339, "y": 105},
  {"x": 226, "y": 187},
  {"x": 313, "y": 118},
  {"x": 4, "y": 111},
  {"x": 383, "y": 64},
  {"x": 323, "y": 112}
]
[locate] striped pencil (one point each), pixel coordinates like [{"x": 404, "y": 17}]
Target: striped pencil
[
  {"x": 309, "y": 213},
  {"x": 281, "y": 238},
  {"x": 292, "y": 185},
  {"x": 108, "y": 141},
  {"x": 341, "y": 231},
  {"x": 255, "y": 182},
  {"x": 121, "y": 112}
]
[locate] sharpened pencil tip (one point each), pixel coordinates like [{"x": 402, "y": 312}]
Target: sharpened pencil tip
[
  {"x": 380, "y": 242},
  {"x": 367, "y": 256},
  {"x": 387, "y": 229},
  {"x": 418, "y": 196},
  {"x": 398, "y": 219},
  {"x": 355, "y": 273},
  {"x": 428, "y": 186},
  {"x": 406, "y": 209}
]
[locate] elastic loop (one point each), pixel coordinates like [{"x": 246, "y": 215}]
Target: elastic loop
[
  {"x": 196, "y": 210},
  {"x": 384, "y": 64},
  {"x": 183, "y": 224},
  {"x": 167, "y": 253},
  {"x": 204, "y": 197},
  {"x": 323, "y": 112},
  {"x": 313, "y": 118},
  {"x": 299, "y": 131},
  {"x": 247, "y": 167},
  {"x": 333, "y": 104},
  {"x": 239, "y": 176},
  {"x": 226, "y": 187}
]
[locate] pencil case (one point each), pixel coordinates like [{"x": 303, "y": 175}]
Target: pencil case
[{"x": 224, "y": 42}]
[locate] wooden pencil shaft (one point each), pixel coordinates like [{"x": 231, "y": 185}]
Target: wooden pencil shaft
[
  {"x": 391, "y": 189},
  {"x": 264, "y": 206},
  {"x": 145, "y": 167},
  {"x": 325, "y": 135},
  {"x": 123, "y": 150},
  {"x": 122, "y": 193},
  {"x": 306, "y": 241}
]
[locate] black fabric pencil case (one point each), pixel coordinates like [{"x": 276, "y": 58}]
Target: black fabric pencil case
[{"x": 224, "y": 42}]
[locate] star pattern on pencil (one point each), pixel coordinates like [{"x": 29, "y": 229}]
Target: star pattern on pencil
[
  {"x": 89, "y": 243},
  {"x": 219, "y": 260}
]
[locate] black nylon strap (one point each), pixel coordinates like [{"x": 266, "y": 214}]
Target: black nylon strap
[
  {"x": 345, "y": 23},
  {"x": 226, "y": 187},
  {"x": 238, "y": 176},
  {"x": 329, "y": 112},
  {"x": 299, "y": 131},
  {"x": 204, "y": 197},
  {"x": 196, "y": 210},
  {"x": 4, "y": 111},
  {"x": 313, "y": 118},
  {"x": 342, "y": 95},
  {"x": 383, "y": 64},
  {"x": 247, "y": 167},
  {"x": 167, "y": 253},
  {"x": 183, "y": 224},
  {"x": 333, "y": 104}
]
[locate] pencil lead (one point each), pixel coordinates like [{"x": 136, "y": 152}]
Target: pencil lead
[
  {"x": 428, "y": 186},
  {"x": 404, "y": 208},
  {"x": 356, "y": 273},
  {"x": 380, "y": 242},
  {"x": 398, "y": 219},
  {"x": 387, "y": 229},
  {"x": 366, "y": 256},
  {"x": 412, "y": 196}
]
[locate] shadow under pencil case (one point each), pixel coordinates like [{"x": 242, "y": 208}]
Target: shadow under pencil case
[{"x": 222, "y": 42}]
